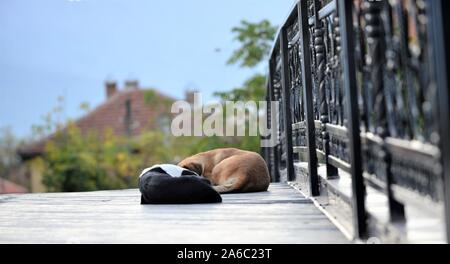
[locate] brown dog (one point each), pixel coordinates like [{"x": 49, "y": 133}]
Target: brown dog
[{"x": 230, "y": 169}]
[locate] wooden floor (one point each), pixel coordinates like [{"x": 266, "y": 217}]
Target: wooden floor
[{"x": 280, "y": 215}]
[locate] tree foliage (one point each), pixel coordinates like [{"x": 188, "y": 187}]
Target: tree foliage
[
  {"x": 8, "y": 148},
  {"x": 76, "y": 162},
  {"x": 252, "y": 90},
  {"x": 255, "y": 40}
]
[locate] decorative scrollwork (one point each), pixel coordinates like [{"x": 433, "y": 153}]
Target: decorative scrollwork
[
  {"x": 319, "y": 47},
  {"x": 296, "y": 87},
  {"x": 399, "y": 94}
]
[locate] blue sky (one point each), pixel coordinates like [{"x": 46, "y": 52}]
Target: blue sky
[{"x": 52, "y": 48}]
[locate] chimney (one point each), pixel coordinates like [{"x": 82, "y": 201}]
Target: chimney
[
  {"x": 111, "y": 88},
  {"x": 131, "y": 85},
  {"x": 189, "y": 96},
  {"x": 128, "y": 118}
]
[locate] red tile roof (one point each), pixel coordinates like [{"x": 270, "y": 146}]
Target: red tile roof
[
  {"x": 111, "y": 115},
  {"x": 10, "y": 187}
]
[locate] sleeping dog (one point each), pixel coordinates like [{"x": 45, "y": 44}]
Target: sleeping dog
[{"x": 230, "y": 170}]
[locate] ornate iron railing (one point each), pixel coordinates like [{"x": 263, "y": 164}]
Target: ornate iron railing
[{"x": 363, "y": 91}]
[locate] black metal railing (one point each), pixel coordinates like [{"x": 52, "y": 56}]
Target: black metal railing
[{"x": 362, "y": 87}]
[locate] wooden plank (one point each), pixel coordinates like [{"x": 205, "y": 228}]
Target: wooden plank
[{"x": 280, "y": 215}]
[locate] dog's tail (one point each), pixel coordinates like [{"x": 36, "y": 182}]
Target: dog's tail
[
  {"x": 233, "y": 184},
  {"x": 228, "y": 188}
]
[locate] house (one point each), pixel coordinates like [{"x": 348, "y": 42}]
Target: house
[
  {"x": 127, "y": 112},
  {"x": 7, "y": 186}
]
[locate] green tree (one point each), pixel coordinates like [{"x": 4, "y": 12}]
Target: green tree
[
  {"x": 76, "y": 162},
  {"x": 8, "y": 151},
  {"x": 51, "y": 121},
  {"x": 255, "y": 42},
  {"x": 253, "y": 89}
]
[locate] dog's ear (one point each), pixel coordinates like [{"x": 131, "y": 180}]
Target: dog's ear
[{"x": 194, "y": 166}]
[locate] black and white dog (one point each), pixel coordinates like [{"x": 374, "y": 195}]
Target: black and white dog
[{"x": 172, "y": 184}]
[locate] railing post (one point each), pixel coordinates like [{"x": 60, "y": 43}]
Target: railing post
[
  {"x": 285, "y": 86},
  {"x": 319, "y": 47},
  {"x": 351, "y": 92},
  {"x": 441, "y": 39},
  {"x": 265, "y": 150},
  {"x": 274, "y": 149},
  {"x": 381, "y": 129},
  {"x": 308, "y": 98}
]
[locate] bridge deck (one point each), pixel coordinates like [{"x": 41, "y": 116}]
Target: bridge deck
[{"x": 280, "y": 215}]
